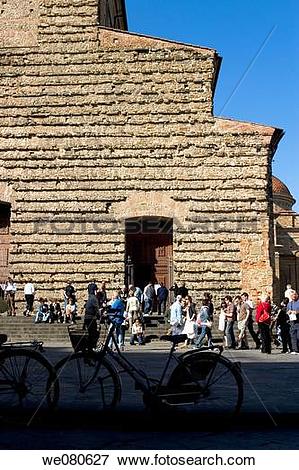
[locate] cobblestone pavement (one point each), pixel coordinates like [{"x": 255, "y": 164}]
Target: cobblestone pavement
[{"x": 269, "y": 418}]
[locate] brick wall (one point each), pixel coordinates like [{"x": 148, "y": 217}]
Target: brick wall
[{"x": 99, "y": 125}]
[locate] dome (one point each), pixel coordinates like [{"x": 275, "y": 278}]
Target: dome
[{"x": 281, "y": 194}]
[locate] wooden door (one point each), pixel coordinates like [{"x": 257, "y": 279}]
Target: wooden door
[
  {"x": 151, "y": 256},
  {"x": 288, "y": 273}
]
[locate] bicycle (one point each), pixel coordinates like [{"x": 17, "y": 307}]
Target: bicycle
[
  {"x": 28, "y": 381},
  {"x": 202, "y": 379}
]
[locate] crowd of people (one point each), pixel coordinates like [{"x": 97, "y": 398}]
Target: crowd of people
[{"x": 274, "y": 324}]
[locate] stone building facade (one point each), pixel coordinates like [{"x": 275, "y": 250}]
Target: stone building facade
[
  {"x": 113, "y": 165},
  {"x": 286, "y": 239}
]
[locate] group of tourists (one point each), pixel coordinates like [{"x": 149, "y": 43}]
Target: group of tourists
[{"x": 274, "y": 324}]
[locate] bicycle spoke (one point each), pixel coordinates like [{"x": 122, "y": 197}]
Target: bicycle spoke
[
  {"x": 219, "y": 389},
  {"x": 89, "y": 381},
  {"x": 26, "y": 380},
  {"x": 225, "y": 372}
]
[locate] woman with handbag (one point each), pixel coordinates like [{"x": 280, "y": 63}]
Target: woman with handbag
[{"x": 263, "y": 319}]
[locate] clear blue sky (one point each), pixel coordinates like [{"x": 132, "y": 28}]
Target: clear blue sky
[{"x": 258, "y": 41}]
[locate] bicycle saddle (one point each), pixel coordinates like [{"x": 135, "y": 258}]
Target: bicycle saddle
[{"x": 175, "y": 339}]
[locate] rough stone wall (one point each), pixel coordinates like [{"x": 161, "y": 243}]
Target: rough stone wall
[{"x": 97, "y": 125}]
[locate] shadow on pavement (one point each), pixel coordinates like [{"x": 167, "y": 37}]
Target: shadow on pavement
[{"x": 269, "y": 417}]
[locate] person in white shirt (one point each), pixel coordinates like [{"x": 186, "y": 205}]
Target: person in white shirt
[
  {"x": 176, "y": 316},
  {"x": 250, "y": 321},
  {"x": 10, "y": 292},
  {"x": 289, "y": 292},
  {"x": 132, "y": 308},
  {"x": 29, "y": 297}
]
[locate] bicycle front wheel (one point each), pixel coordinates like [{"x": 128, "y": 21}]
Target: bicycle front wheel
[
  {"x": 27, "y": 381},
  {"x": 88, "y": 380},
  {"x": 208, "y": 383}
]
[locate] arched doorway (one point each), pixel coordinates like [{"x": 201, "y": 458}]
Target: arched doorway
[
  {"x": 4, "y": 240},
  {"x": 149, "y": 250}
]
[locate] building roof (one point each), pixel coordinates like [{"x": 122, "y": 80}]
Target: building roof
[{"x": 281, "y": 194}]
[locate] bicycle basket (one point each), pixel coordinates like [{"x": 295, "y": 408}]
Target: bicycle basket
[{"x": 80, "y": 340}]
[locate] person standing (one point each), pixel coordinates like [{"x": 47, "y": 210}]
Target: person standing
[
  {"x": 254, "y": 335},
  {"x": 29, "y": 298},
  {"x": 182, "y": 290},
  {"x": 116, "y": 307},
  {"x": 102, "y": 295},
  {"x": 69, "y": 293},
  {"x": 162, "y": 296},
  {"x": 293, "y": 312},
  {"x": 176, "y": 316},
  {"x": 204, "y": 325},
  {"x": 190, "y": 322},
  {"x": 138, "y": 293},
  {"x": 92, "y": 312},
  {"x": 132, "y": 308},
  {"x": 92, "y": 288},
  {"x": 123, "y": 293},
  {"x": 148, "y": 297},
  {"x": 242, "y": 318},
  {"x": 10, "y": 293},
  {"x": 283, "y": 326},
  {"x": 289, "y": 291},
  {"x": 174, "y": 289},
  {"x": 263, "y": 318},
  {"x": 230, "y": 317}
]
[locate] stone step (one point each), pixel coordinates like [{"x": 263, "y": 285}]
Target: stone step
[{"x": 20, "y": 328}]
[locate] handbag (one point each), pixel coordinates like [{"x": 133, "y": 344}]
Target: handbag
[{"x": 264, "y": 317}]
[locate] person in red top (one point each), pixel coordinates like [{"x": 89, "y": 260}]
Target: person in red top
[{"x": 263, "y": 319}]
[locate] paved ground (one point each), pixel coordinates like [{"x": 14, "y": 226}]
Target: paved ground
[{"x": 269, "y": 418}]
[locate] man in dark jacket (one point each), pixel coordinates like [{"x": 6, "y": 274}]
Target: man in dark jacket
[
  {"x": 182, "y": 290},
  {"x": 162, "y": 296},
  {"x": 90, "y": 320}
]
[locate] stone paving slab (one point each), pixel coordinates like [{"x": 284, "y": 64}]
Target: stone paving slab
[
  {"x": 269, "y": 417},
  {"x": 268, "y": 379}
]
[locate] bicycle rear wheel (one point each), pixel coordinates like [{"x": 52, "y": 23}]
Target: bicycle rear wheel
[
  {"x": 88, "y": 380},
  {"x": 208, "y": 383},
  {"x": 27, "y": 381}
]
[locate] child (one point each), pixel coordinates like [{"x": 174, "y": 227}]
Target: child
[
  {"x": 137, "y": 333},
  {"x": 55, "y": 312},
  {"x": 70, "y": 311},
  {"x": 42, "y": 314}
]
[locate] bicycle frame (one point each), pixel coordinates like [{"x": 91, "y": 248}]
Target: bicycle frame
[{"x": 140, "y": 378}]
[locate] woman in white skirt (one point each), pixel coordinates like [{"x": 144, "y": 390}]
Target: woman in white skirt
[{"x": 189, "y": 326}]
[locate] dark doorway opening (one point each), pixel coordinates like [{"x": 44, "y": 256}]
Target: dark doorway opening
[
  {"x": 149, "y": 251},
  {"x": 4, "y": 240}
]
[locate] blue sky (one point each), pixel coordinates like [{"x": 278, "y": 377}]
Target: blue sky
[{"x": 258, "y": 41}]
